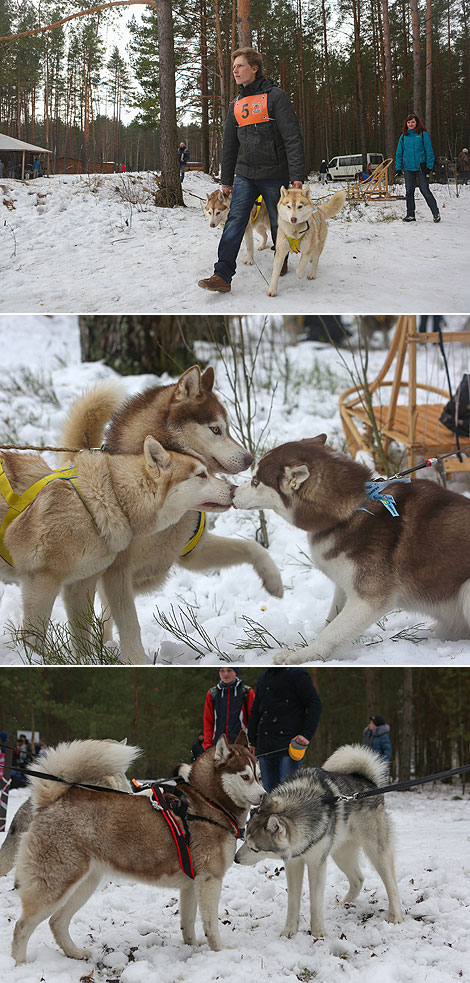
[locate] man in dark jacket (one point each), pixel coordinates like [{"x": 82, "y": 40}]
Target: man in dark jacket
[
  {"x": 286, "y": 707},
  {"x": 263, "y": 148}
]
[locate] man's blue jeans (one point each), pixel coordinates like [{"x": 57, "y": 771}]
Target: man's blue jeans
[
  {"x": 275, "y": 768},
  {"x": 245, "y": 192},
  {"x": 413, "y": 178}
]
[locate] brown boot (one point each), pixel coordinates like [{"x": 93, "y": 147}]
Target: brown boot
[
  {"x": 215, "y": 282},
  {"x": 284, "y": 267}
]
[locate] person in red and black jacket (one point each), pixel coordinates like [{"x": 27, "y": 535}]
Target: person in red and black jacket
[{"x": 227, "y": 707}]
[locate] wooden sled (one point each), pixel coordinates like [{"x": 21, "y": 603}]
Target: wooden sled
[
  {"x": 376, "y": 188},
  {"x": 372, "y": 414}
]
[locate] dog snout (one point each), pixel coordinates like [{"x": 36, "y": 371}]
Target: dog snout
[
  {"x": 293, "y": 219},
  {"x": 232, "y": 490},
  {"x": 247, "y": 459}
]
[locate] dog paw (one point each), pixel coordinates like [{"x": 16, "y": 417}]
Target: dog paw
[
  {"x": 288, "y": 932},
  {"x": 311, "y": 276},
  {"x": 272, "y": 292},
  {"x": 248, "y": 262},
  {"x": 279, "y": 659},
  {"x": 273, "y": 583}
]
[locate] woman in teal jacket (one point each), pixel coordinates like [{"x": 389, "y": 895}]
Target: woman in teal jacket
[{"x": 415, "y": 158}]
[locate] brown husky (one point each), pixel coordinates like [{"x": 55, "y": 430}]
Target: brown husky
[
  {"x": 186, "y": 416},
  {"x": 77, "y": 835},
  {"x": 216, "y": 209},
  {"x": 418, "y": 560},
  {"x": 71, "y": 533},
  {"x": 302, "y": 228}
]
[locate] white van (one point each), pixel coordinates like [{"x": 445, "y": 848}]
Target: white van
[{"x": 349, "y": 167}]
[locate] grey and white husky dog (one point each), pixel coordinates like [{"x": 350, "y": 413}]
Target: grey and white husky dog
[{"x": 300, "y": 823}]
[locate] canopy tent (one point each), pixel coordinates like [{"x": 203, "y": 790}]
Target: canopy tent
[{"x": 10, "y": 145}]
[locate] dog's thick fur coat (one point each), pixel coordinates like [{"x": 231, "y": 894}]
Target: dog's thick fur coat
[
  {"x": 77, "y": 835},
  {"x": 299, "y": 219},
  {"x": 64, "y": 540},
  {"x": 419, "y": 560},
  {"x": 216, "y": 209},
  {"x": 188, "y": 417},
  {"x": 295, "y": 823}
]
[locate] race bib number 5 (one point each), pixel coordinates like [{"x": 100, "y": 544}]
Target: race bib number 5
[{"x": 251, "y": 109}]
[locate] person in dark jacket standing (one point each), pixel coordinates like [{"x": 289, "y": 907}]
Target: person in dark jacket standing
[
  {"x": 263, "y": 148},
  {"x": 183, "y": 157},
  {"x": 227, "y": 707},
  {"x": 286, "y": 707},
  {"x": 415, "y": 159},
  {"x": 377, "y": 736}
]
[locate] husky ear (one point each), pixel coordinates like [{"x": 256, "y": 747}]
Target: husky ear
[
  {"x": 207, "y": 379},
  {"x": 207, "y": 196},
  {"x": 306, "y": 190},
  {"x": 321, "y": 438},
  {"x": 188, "y": 385},
  {"x": 242, "y": 739},
  {"x": 222, "y": 751},
  {"x": 275, "y": 826},
  {"x": 221, "y": 196},
  {"x": 283, "y": 192},
  {"x": 296, "y": 476},
  {"x": 155, "y": 455},
  {"x": 124, "y": 741}
]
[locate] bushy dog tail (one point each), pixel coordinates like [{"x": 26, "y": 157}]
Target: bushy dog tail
[
  {"x": 334, "y": 205},
  {"x": 357, "y": 759},
  {"x": 91, "y": 762},
  {"x": 88, "y": 415}
]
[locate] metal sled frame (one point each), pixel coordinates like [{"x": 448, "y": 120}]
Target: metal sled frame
[
  {"x": 376, "y": 188},
  {"x": 414, "y": 424}
]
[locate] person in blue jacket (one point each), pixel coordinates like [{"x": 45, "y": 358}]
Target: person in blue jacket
[
  {"x": 415, "y": 159},
  {"x": 377, "y": 736}
]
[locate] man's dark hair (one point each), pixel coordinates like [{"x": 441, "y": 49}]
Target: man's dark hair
[{"x": 252, "y": 56}]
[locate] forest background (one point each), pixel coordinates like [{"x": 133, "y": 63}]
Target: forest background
[
  {"x": 353, "y": 69},
  {"x": 161, "y": 710}
]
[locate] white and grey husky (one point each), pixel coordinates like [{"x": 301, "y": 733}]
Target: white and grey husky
[{"x": 300, "y": 823}]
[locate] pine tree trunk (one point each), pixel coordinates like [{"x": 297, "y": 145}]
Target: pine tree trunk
[
  {"x": 170, "y": 193},
  {"x": 244, "y": 23},
  {"x": 416, "y": 59},
  {"x": 406, "y": 731},
  {"x": 204, "y": 87},
  {"x": 389, "y": 121}
]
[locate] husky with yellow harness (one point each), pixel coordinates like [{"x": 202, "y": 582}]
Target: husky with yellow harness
[
  {"x": 188, "y": 417},
  {"x": 216, "y": 209},
  {"x": 302, "y": 228},
  {"x": 61, "y": 530}
]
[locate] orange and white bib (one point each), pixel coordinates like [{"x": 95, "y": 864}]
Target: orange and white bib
[{"x": 251, "y": 109}]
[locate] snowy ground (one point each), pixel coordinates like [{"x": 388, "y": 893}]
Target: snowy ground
[
  {"x": 133, "y": 930},
  {"x": 304, "y": 404},
  {"x": 98, "y": 243}
]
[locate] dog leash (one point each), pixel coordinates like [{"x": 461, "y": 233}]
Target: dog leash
[{"x": 397, "y": 787}]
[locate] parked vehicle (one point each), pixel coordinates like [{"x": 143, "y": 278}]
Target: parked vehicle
[{"x": 349, "y": 167}]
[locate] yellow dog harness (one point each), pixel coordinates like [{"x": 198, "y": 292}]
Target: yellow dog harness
[
  {"x": 201, "y": 524},
  {"x": 256, "y": 206},
  {"x": 295, "y": 243},
  {"x": 18, "y": 503}
]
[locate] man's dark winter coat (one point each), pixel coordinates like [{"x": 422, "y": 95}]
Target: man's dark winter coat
[
  {"x": 264, "y": 151},
  {"x": 286, "y": 704}
]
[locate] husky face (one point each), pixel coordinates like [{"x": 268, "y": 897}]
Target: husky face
[
  {"x": 216, "y": 208},
  {"x": 239, "y": 772},
  {"x": 266, "y": 837},
  {"x": 295, "y": 205},
  {"x": 198, "y": 424},
  {"x": 190, "y": 486},
  {"x": 280, "y": 478}
]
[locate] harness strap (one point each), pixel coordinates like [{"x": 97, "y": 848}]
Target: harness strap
[
  {"x": 257, "y": 207},
  {"x": 180, "y": 836},
  {"x": 201, "y": 525},
  {"x": 295, "y": 243},
  {"x": 18, "y": 503},
  {"x": 228, "y": 815}
]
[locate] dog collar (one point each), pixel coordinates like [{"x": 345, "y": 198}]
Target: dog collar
[
  {"x": 375, "y": 491},
  {"x": 192, "y": 543}
]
